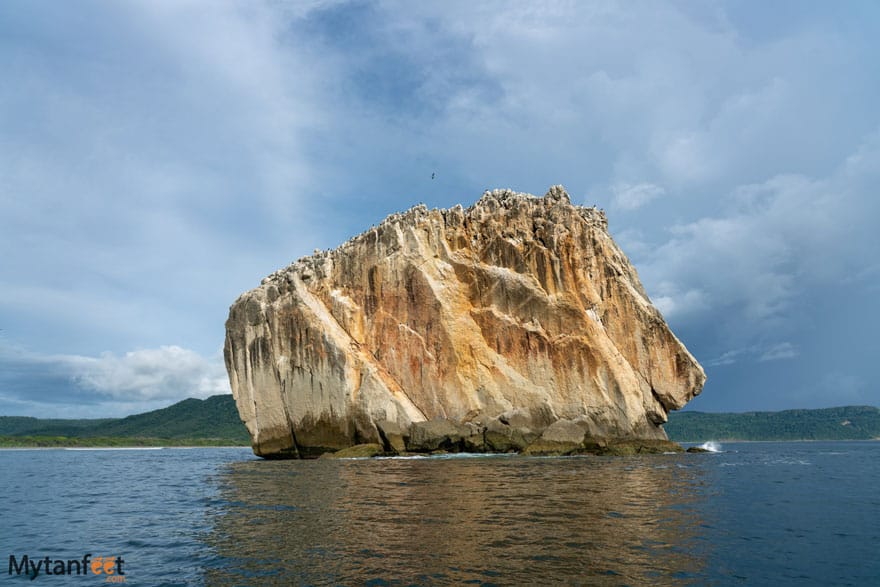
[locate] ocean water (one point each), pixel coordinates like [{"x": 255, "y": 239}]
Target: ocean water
[{"x": 750, "y": 514}]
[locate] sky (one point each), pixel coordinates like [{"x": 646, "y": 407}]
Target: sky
[{"x": 159, "y": 158}]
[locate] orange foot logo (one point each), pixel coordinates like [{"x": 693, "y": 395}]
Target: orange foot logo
[{"x": 110, "y": 566}]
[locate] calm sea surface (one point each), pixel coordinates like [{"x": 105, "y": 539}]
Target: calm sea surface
[{"x": 753, "y": 514}]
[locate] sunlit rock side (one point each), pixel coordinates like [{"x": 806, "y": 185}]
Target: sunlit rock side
[{"x": 462, "y": 329}]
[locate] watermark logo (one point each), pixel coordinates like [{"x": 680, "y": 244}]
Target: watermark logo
[{"x": 112, "y": 568}]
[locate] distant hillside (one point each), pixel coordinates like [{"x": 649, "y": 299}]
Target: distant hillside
[
  {"x": 215, "y": 417},
  {"x": 24, "y": 425},
  {"x": 192, "y": 421},
  {"x": 846, "y": 423}
]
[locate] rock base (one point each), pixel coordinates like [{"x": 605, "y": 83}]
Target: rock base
[
  {"x": 562, "y": 438},
  {"x": 358, "y": 451}
]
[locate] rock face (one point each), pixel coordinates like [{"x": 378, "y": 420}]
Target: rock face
[{"x": 458, "y": 329}]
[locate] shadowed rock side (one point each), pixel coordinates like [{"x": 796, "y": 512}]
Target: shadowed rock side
[{"x": 458, "y": 329}]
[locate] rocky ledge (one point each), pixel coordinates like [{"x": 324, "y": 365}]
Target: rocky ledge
[{"x": 516, "y": 324}]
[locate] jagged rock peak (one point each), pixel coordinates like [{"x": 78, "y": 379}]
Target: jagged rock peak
[{"x": 499, "y": 320}]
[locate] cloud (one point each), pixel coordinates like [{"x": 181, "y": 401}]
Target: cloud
[
  {"x": 726, "y": 358},
  {"x": 777, "y": 241},
  {"x": 778, "y": 352},
  {"x": 633, "y": 196},
  {"x": 163, "y": 373},
  {"x": 154, "y": 166},
  {"x": 141, "y": 379},
  {"x": 674, "y": 303},
  {"x": 757, "y": 353}
]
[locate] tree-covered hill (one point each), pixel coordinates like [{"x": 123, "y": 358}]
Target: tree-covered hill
[
  {"x": 25, "y": 425},
  {"x": 215, "y": 417},
  {"x": 845, "y": 423},
  {"x": 192, "y": 421}
]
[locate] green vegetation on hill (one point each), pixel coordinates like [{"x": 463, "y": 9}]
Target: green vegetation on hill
[
  {"x": 215, "y": 417},
  {"x": 192, "y": 422},
  {"x": 846, "y": 423},
  {"x": 23, "y": 425}
]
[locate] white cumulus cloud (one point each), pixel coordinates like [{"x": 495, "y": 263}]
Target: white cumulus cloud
[
  {"x": 166, "y": 372},
  {"x": 109, "y": 384}
]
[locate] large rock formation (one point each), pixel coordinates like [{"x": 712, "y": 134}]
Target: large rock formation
[{"x": 458, "y": 329}]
